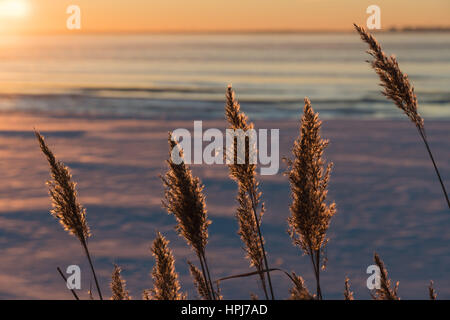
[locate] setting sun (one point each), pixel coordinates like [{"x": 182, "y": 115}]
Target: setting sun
[{"x": 13, "y": 8}]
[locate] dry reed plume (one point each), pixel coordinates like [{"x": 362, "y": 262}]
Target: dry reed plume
[
  {"x": 385, "y": 292},
  {"x": 396, "y": 84},
  {"x": 66, "y": 207},
  {"x": 398, "y": 88},
  {"x": 185, "y": 200},
  {"x": 165, "y": 280},
  {"x": 300, "y": 291},
  {"x": 249, "y": 197},
  {"x": 199, "y": 281},
  {"x": 310, "y": 215},
  {"x": 118, "y": 285},
  {"x": 348, "y": 294}
]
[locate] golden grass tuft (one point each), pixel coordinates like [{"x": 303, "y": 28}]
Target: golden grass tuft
[
  {"x": 118, "y": 285},
  {"x": 183, "y": 197},
  {"x": 66, "y": 207},
  {"x": 299, "y": 291},
  {"x": 249, "y": 196},
  {"x": 199, "y": 281},
  {"x": 348, "y": 294},
  {"x": 398, "y": 88},
  {"x": 310, "y": 215},
  {"x": 165, "y": 280},
  {"x": 396, "y": 84},
  {"x": 385, "y": 292},
  {"x": 244, "y": 174}
]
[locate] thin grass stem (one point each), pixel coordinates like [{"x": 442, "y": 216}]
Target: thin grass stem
[
  {"x": 65, "y": 280},
  {"x": 266, "y": 264},
  {"x": 86, "y": 250},
  {"x": 209, "y": 276},
  {"x": 208, "y": 286},
  {"x": 422, "y": 134}
]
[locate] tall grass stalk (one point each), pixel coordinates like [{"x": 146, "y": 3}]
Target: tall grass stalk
[
  {"x": 398, "y": 88},
  {"x": 249, "y": 197},
  {"x": 183, "y": 197},
  {"x": 165, "y": 280},
  {"x": 310, "y": 215},
  {"x": 66, "y": 207},
  {"x": 118, "y": 285}
]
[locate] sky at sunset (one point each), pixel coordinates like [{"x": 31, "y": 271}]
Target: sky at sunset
[{"x": 29, "y": 16}]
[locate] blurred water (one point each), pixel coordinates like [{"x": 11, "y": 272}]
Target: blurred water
[{"x": 185, "y": 76}]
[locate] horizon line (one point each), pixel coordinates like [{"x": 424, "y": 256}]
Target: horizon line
[{"x": 391, "y": 29}]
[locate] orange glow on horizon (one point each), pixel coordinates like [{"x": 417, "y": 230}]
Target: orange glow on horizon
[{"x": 41, "y": 16}]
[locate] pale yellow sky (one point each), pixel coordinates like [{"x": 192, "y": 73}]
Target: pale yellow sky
[{"x": 215, "y": 15}]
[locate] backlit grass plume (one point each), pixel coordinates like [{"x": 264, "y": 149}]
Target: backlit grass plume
[
  {"x": 66, "y": 207},
  {"x": 183, "y": 197},
  {"x": 199, "y": 281},
  {"x": 244, "y": 174},
  {"x": 299, "y": 291},
  {"x": 118, "y": 285},
  {"x": 249, "y": 197},
  {"x": 396, "y": 84},
  {"x": 398, "y": 88},
  {"x": 165, "y": 280},
  {"x": 385, "y": 292},
  {"x": 348, "y": 294},
  {"x": 310, "y": 215}
]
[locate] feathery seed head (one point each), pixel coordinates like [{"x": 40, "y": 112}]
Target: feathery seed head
[
  {"x": 310, "y": 215},
  {"x": 199, "y": 281},
  {"x": 118, "y": 285},
  {"x": 299, "y": 291},
  {"x": 249, "y": 196},
  {"x": 396, "y": 84},
  {"x": 385, "y": 292},
  {"x": 348, "y": 294},
  {"x": 185, "y": 200},
  {"x": 165, "y": 279},
  {"x": 244, "y": 174},
  {"x": 235, "y": 117},
  {"x": 62, "y": 190}
]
